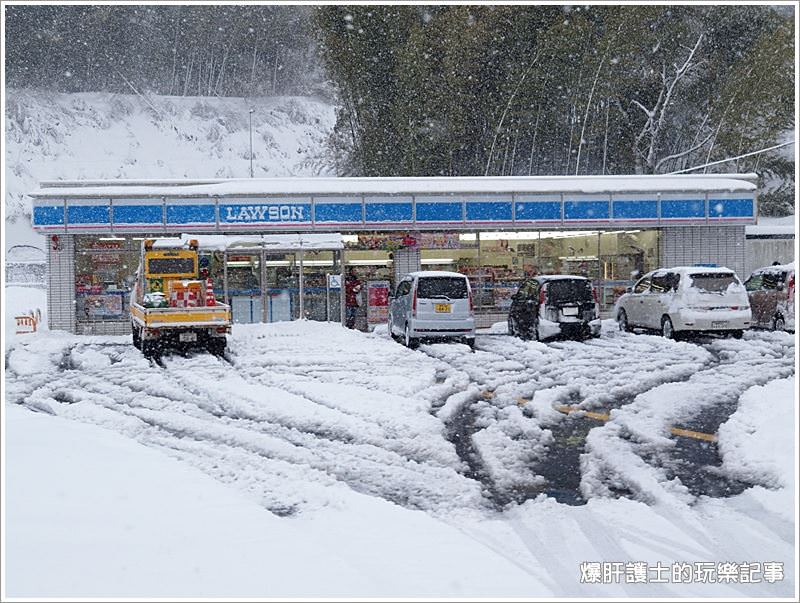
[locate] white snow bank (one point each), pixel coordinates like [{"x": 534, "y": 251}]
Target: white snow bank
[
  {"x": 754, "y": 443},
  {"x": 92, "y": 514}
]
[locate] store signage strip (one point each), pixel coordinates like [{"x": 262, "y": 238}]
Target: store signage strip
[{"x": 225, "y": 214}]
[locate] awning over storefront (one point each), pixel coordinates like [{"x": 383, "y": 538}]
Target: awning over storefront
[
  {"x": 352, "y": 204},
  {"x": 275, "y": 242}
]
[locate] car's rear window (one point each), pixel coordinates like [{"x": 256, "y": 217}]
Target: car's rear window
[
  {"x": 452, "y": 287},
  {"x": 713, "y": 282},
  {"x": 569, "y": 290}
]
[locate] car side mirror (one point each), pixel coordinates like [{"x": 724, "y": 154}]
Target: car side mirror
[{"x": 628, "y": 289}]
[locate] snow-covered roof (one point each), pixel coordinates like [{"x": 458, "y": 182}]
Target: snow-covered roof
[
  {"x": 771, "y": 226},
  {"x": 397, "y": 185}
]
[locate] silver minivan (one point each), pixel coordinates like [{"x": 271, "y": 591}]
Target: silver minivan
[{"x": 432, "y": 305}]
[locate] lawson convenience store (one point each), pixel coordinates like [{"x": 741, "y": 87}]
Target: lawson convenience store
[{"x": 278, "y": 240}]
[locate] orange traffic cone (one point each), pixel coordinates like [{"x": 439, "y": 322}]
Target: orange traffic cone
[{"x": 210, "y": 299}]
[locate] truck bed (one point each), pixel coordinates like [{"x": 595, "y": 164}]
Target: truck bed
[{"x": 202, "y": 316}]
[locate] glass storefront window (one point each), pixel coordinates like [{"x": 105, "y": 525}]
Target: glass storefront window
[
  {"x": 319, "y": 301},
  {"x": 105, "y": 272}
]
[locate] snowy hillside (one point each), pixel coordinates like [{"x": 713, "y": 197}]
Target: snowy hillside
[{"x": 97, "y": 135}]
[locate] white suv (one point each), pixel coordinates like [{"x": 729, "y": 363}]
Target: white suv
[
  {"x": 686, "y": 299},
  {"x": 432, "y": 305}
]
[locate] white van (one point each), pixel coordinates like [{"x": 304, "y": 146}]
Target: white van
[
  {"x": 432, "y": 305},
  {"x": 686, "y": 299}
]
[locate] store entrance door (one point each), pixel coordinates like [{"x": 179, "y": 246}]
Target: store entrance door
[
  {"x": 281, "y": 287},
  {"x": 321, "y": 294}
]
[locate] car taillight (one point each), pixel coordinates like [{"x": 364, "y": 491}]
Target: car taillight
[
  {"x": 414, "y": 303},
  {"x": 471, "y": 306},
  {"x": 541, "y": 296},
  {"x": 790, "y": 289},
  {"x": 594, "y": 295}
]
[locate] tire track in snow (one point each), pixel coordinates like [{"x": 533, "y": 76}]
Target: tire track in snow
[{"x": 167, "y": 404}]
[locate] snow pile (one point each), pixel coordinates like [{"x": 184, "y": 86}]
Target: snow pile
[
  {"x": 53, "y": 136},
  {"x": 91, "y": 514},
  {"x": 754, "y": 444}
]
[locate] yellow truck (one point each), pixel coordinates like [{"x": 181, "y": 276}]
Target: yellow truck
[{"x": 172, "y": 303}]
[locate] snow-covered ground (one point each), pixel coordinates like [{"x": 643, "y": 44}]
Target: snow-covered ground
[
  {"x": 342, "y": 463},
  {"x": 53, "y": 136}
]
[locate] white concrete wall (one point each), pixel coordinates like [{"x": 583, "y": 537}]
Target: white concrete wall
[
  {"x": 689, "y": 245},
  {"x": 763, "y": 252},
  {"x": 61, "y": 282}
]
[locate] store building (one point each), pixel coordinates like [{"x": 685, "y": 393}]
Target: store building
[{"x": 497, "y": 230}]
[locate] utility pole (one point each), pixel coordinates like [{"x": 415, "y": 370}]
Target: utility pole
[{"x": 251, "y": 142}]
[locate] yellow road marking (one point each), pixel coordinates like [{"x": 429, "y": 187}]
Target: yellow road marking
[
  {"x": 602, "y": 416},
  {"x": 598, "y": 416},
  {"x": 688, "y": 433}
]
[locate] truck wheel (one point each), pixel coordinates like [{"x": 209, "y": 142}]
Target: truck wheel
[
  {"x": 150, "y": 348},
  {"x": 217, "y": 345},
  {"x": 137, "y": 338}
]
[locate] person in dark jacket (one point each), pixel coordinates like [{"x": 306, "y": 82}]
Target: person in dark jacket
[{"x": 352, "y": 297}]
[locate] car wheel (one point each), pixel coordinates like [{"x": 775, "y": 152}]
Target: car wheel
[
  {"x": 778, "y": 323},
  {"x": 411, "y": 342},
  {"x": 622, "y": 321},
  {"x": 137, "y": 338},
  {"x": 470, "y": 341},
  {"x": 737, "y": 334},
  {"x": 667, "y": 330}
]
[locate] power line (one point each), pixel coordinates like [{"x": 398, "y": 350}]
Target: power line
[{"x": 697, "y": 167}]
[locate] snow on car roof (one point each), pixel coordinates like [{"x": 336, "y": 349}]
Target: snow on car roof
[
  {"x": 422, "y": 273},
  {"x": 775, "y": 268},
  {"x": 691, "y": 270}
]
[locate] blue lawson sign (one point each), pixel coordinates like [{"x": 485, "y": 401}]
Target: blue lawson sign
[
  {"x": 260, "y": 213},
  {"x": 220, "y": 214}
]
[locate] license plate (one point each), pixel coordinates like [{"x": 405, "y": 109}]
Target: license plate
[
  {"x": 718, "y": 324},
  {"x": 570, "y": 311},
  {"x": 185, "y": 337},
  {"x": 443, "y": 307}
]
